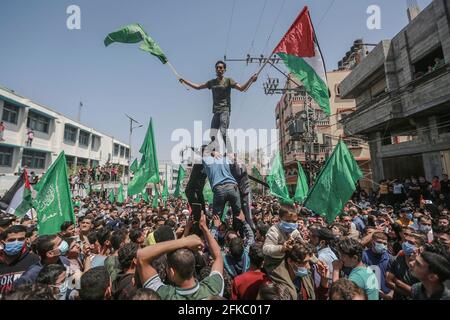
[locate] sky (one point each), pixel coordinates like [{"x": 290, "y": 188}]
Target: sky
[{"x": 41, "y": 59}]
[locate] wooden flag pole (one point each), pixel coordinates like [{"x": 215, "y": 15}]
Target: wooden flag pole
[
  {"x": 261, "y": 68},
  {"x": 176, "y": 73}
]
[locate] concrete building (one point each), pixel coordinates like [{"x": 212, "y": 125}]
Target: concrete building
[
  {"x": 53, "y": 133},
  {"x": 402, "y": 92},
  {"x": 328, "y": 130}
]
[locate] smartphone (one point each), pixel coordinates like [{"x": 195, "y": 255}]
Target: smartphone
[{"x": 196, "y": 211}]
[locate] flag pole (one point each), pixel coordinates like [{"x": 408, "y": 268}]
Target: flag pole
[
  {"x": 261, "y": 68},
  {"x": 176, "y": 73}
]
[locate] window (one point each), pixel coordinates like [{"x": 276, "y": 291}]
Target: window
[
  {"x": 6, "y": 155},
  {"x": 116, "y": 150},
  {"x": 33, "y": 159},
  {"x": 70, "y": 161},
  {"x": 10, "y": 113},
  {"x": 82, "y": 162},
  {"x": 431, "y": 62},
  {"x": 37, "y": 122},
  {"x": 122, "y": 151},
  {"x": 127, "y": 153},
  {"x": 84, "y": 138},
  {"x": 95, "y": 142},
  {"x": 70, "y": 133}
]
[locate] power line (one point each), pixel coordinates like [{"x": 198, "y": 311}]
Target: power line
[
  {"x": 229, "y": 27},
  {"x": 326, "y": 12}
]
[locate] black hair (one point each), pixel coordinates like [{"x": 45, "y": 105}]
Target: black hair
[
  {"x": 126, "y": 255},
  {"x": 92, "y": 237},
  {"x": 117, "y": 238},
  {"x": 49, "y": 274},
  {"x": 350, "y": 247},
  {"x": 263, "y": 228},
  {"x": 135, "y": 235},
  {"x": 164, "y": 233},
  {"x": 44, "y": 244},
  {"x": 14, "y": 229},
  {"x": 273, "y": 291},
  {"x": 183, "y": 261},
  {"x": 103, "y": 235},
  {"x": 256, "y": 255},
  {"x": 437, "y": 264},
  {"x": 170, "y": 223},
  {"x": 221, "y": 62},
  {"x": 94, "y": 283},
  {"x": 30, "y": 292},
  {"x": 300, "y": 250},
  {"x": 344, "y": 289},
  {"x": 146, "y": 294},
  {"x": 236, "y": 248},
  {"x": 285, "y": 210},
  {"x": 65, "y": 225}
]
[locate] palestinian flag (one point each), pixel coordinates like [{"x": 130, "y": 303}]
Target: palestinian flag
[
  {"x": 18, "y": 199},
  {"x": 300, "y": 52}
]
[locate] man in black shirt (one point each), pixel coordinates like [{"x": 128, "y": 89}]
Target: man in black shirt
[
  {"x": 445, "y": 188},
  {"x": 15, "y": 258}
]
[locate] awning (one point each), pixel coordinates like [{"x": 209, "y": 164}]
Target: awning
[
  {"x": 14, "y": 102},
  {"x": 42, "y": 113},
  {"x": 37, "y": 149},
  {"x": 2, "y": 144}
]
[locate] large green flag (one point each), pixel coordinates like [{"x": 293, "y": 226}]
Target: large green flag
[
  {"x": 165, "y": 192},
  {"x": 138, "y": 198},
  {"x": 155, "y": 198},
  {"x": 120, "y": 195},
  {"x": 145, "y": 196},
  {"x": 52, "y": 203},
  {"x": 208, "y": 193},
  {"x": 301, "y": 190},
  {"x": 111, "y": 197},
  {"x": 335, "y": 184},
  {"x": 134, "y": 33},
  {"x": 180, "y": 179},
  {"x": 277, "y": 181},
  {"x": 148, "y": 169},
  {"x": 134, "y": 166}
]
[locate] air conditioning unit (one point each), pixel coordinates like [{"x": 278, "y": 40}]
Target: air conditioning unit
[{"x": 297, "y": 128}]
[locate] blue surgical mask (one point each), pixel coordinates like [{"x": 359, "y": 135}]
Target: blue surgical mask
[
  {"x": 379, "y": 248},
  {"x": 288, "y": 227},
  {"x": 408, "y": 248},
  {"x": 62, "y": 290},
  {"x": 301, "y": 272},
  {"x": 13, "y": 248},
  {"x": 409, "y": 216},
  {"x": 63, "y": 247}
]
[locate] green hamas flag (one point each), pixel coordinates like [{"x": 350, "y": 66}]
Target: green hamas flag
[
  {"x": 148, "y": 169},
  {"x": 155, "y": 198},
  {"x": 134, "y": 33},
  {"x": 52, "y": 203},
  {"x": 302, "y": 185},
  {"x": 145, "y": 196},
  {"x": 134, "y": 166},
  {"x": 225, "y": 211},
  {"x": 111, "y": 197},
  {"x": 257, "y": 174},
  {"x": 138, "y": 198},
  {"x": 277, "y": 181},
  {"x": 208, "y": 193},
  {"x": 180, "y": 179},
  {"x": 165, "y": 192},
  {"x": 335, "y": 184},
  {"x": 120, "y": 196}
]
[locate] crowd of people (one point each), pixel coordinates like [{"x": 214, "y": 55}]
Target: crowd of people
[{"x": 380, "y": 249}]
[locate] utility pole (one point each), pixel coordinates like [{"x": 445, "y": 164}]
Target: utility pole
[{"x": 129, "y": 142}]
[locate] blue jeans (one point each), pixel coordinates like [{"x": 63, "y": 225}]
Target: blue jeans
[{"x": 228, "y": 193}]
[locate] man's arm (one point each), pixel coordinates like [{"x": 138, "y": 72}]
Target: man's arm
[
  {"x": 146, "y": 255},
  {"x": 247, "y": 84},
  {"x": 194, "y": 85},
  {"x": 213, "y": 246}
]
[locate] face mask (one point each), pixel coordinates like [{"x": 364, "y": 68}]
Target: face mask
[
  {"x": 13, "y": 248},
  {"x": 62, "y": 290},
  {"x": 379, "y": 248},
  {"x": 409, "y": 216},
  {"x": 301, "y": 272},
  {"x": 408, "y": 248},
  {"x": 63, "y": 247},
  {"x": 288, "y": 227},
  {"x": 424, "y": 229}
]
